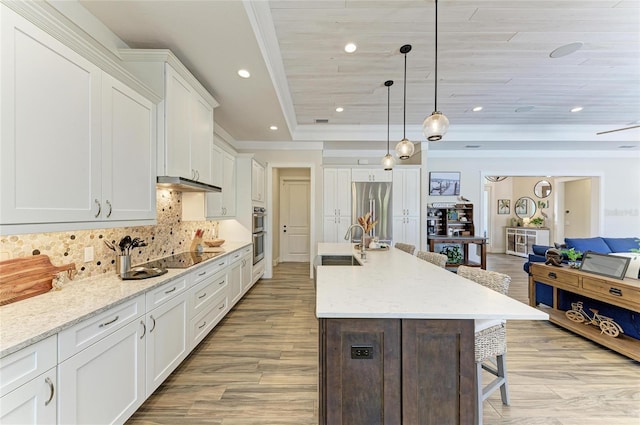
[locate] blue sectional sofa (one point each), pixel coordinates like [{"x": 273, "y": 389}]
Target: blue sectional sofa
[{"x": 629, "y": 320}]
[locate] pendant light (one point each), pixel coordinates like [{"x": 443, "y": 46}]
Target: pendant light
[
  {"x": 388, "y": 162},
  {"x": 405, "y": 148},
  {"x": 436, "y": 124}
]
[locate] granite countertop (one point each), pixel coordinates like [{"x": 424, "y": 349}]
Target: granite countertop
[
  {"x": 28, "y": 321},
  {"x": 394, "y": 284}
]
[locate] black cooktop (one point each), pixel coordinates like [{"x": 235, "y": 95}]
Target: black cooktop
[{"x": 181, "y": 260}]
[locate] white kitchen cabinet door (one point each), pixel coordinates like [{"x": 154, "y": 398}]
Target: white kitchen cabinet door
[
  {"x": 128, "y": 152},
  {"x": 370, "y": 175},
  {"x": 32, "y": 403},
  {"x": 50, "y": 165},
  {"x": 104, "y": 383},
  {"x": 201, "y": 139},
  {"x": 335, "y": 227},
  {"x": 337, "y": 191},
  {"x": 216, "y": 165},
  {"x": 223, "y": 205},
  {"x": 235, "y": 282},
  {"x": 179, "y": 98},
  {"x": 406, "y": 230},
  {"x": 406, "y": 192},
  {"x": 246, "y": 272},
  {"x": 257, "y": 181},
  {"x": 167, "y": 340}
]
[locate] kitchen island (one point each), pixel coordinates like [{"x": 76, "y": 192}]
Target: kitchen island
[{"x": 397, "y": 339}]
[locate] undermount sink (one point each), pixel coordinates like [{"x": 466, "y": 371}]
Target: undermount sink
[{"x": 339, "y": 260}]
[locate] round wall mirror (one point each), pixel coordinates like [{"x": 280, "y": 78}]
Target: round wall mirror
[
  {"x": 542, "y": 189},
  {"x": 525, "y": 207}
]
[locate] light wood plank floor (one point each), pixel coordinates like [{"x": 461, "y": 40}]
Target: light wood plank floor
[{"x": 259, "y": 366}]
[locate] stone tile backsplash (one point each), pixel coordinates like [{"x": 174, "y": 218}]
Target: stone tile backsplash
[{"x": 169, "y": 236}]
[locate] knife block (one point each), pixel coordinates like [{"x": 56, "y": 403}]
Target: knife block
[{"x": 196, "y": 245}]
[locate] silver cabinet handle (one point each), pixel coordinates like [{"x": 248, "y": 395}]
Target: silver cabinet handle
[
  {"x": 222, "y": 306},
  {"x": 203, "y": 325},
  {"x": 202, "y": 296},
  {"x": 154, "y": 324},
  {"x": 197, "y": 175},
  {"x": 221, "y": 282},
  {"x": 99, "y": 207},
  {"x": 203, "y": 273},
  {"x": 221, "y": 264},
  {"x": 110, "y": 209},
  {"x": 144, "y": 329},
  {"x": 170, "y": 290},
  {"x": 51, "y": 390},
  {"x": 108, "y": 323}
]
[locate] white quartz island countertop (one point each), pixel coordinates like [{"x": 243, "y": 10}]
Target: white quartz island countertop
[
  {"x": 394, "y": 284},
  {"x": 25, "y": 322}
]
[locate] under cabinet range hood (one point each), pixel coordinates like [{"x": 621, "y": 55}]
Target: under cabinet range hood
[{"x": 185, "y": 185}]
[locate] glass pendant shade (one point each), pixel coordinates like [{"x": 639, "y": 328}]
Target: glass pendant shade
[
  {"x": 404, "y": 149},
  {"x": 388, "y": 162},
  {"x": 435, "y": 126}
]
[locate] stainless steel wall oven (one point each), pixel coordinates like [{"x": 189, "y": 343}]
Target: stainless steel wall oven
[{"x": 259, "y": 225}]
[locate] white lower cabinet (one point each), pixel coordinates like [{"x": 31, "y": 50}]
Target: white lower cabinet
[
  {"x": 335, "y": 227},
  {"x": 104, "y": 383},
  {"x": 406, "y": 230},
  {"x": 235, "y": 279},
  {"x": 167, "y": 342},
  {"x": 32, "y": 403},
  {"x": 28, "y": 385},
  {"x": 246, "y": 272}
]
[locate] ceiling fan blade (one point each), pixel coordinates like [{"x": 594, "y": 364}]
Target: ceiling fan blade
[{"x": 618, "y": 129}]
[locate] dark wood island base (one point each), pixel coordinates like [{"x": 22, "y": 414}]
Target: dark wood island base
[{"x": 396, "y": 371}]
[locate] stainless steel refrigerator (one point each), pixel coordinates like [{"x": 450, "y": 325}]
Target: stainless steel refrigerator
[{"x": 374, "y": 197}]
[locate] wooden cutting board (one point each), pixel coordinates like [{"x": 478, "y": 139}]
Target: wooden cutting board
[{"x": 22, "y": 278}]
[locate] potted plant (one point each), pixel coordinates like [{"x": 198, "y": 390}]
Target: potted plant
[
  {"x": 573, "y": 256},
  {"x": 538, "y": 221}
]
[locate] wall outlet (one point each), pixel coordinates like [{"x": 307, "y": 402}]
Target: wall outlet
[
  {"x": 88, "y": 254},
  {"x": 362, "y": 351}
]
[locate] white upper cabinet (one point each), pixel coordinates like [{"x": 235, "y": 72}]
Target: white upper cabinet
[
  {"x": 77, "y": 144},
  {"x": 223, "y": 205},
  {"x": 370, "y": 175},
  {"x": 257, "y": 181},
  {"x": 189, "y": 130},
  {"x": 406, "y": 192},
  {"x": 337, "y": 192},
  {"x": 128, "y": 153}
]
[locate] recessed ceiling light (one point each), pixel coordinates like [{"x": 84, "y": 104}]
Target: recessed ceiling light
[
  {"x": 477, "y": 109},
  {"x": 350, "y": 47},
  {"x": 472, "y": 146},
  {"x": 339, "y": 109},
  {"x": 525, "y": 108},
  {"x": 244, "y": 73},
  {"x": 576, "y": 109},
  {"x": 565, "y": 50},
  {"x": 273, "y": 127}
]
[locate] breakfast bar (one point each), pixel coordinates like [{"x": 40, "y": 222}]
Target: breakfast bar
[{"x": 396, "y": 338}]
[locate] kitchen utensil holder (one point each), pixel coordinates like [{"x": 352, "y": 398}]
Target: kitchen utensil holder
[
  {"x": 196, "y": 245},
  {"x": 123, "y": 264}
]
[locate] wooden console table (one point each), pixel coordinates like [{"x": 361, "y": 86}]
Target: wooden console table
[
  {"x": 622, "y": 293},
  {"x": 464, "y": 241}
]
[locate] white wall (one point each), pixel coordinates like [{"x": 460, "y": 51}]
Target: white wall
[{"x": 619, "y": 189}]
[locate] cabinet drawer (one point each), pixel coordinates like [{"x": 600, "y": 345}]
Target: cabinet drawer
[
  {"x": 203, "y": 294},
  {"x": 87, "y": 332},
  {"x": 555, "y": 277},
  {"x": 613, "y": 291},
  {"x": 18, "y": 368},
  {"x": 236, "y": 256},
  {"x": 202, "y": 324},
  {"x": 208, "y": 270},
  {"x": 165, "y": 292}
]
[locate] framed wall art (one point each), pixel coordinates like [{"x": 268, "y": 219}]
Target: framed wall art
[
  {"x": 504, "y": 206},
  {"x": 444, "y": 183}
]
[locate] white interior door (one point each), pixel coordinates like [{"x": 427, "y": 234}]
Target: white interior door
[{"x": 294, "y": 220}]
